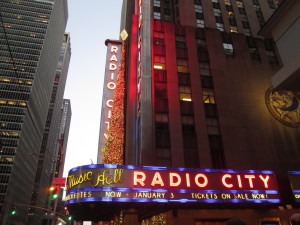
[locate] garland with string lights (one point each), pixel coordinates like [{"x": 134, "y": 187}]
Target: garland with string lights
[{"x": 113, "y": 152}]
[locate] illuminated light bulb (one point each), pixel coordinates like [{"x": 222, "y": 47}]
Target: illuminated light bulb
[{"x": 158, "y": 67}]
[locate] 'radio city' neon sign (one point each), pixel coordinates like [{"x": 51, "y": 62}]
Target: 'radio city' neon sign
[
  {"x": 111, "y": 85},
  {"x": 113, "y": 56},
  {"x": 200, "y": 180},
  {"x": 161, "y": 184}
]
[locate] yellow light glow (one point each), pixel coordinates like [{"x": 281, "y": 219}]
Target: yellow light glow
[
  {"x": 51, "y": 188},
  {"x": 22, "y": 103},
  {"x": 187, "y": 99},
  {"x": 158, "y": 67}
]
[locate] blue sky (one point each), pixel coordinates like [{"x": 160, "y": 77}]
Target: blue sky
[{"x": 90, "y": 23}]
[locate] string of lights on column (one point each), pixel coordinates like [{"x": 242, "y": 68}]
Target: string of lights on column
[{"x": 114, "y": 147}]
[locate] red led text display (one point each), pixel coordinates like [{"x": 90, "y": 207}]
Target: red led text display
[{"x": 177, "y": 185}]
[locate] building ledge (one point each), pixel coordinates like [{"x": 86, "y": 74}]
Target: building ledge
[
  {"x": 288, "y": 77},
  {"x": 282, "y": 10}
]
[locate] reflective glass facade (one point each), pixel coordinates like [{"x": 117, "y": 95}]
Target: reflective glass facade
[{"x": 31, "y": 34}]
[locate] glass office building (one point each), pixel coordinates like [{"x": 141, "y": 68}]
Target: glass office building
[{"x": 31, "y": 35}]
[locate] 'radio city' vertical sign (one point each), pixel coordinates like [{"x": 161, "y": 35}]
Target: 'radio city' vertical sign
[{"x": 113, "y": 57}]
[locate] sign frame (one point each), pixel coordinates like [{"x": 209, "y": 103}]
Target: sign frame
[{"x": 126, "y": 183}]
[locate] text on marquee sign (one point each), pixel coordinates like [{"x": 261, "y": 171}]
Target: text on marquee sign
[{"x": 161, "y": 184}]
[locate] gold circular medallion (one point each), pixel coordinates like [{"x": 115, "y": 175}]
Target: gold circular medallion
[{"x": 284, "y": 106}]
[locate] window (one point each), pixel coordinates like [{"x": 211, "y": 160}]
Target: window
[
  {"x": 246, "y": 24},
  {"x": 201, "y": 42},
  {"x": 183, "y": 69},
  {"x": 219, "y": 19},
  {"x": 186, "y": 108},
  {"x": 181, "y": 40},
  {"x": 179, "y": 30},
  {"x": 167, "y": 11},
  {"x": 217, "y": 152},
  {"x": 190, "y": 145},
  {"x": 161, "y": 117},
  {"x": 182, "y": 62},
  {"x": 197, "y": 2},
  {"x": 160, "y": 90},
  {"x": 204, "y": 69},
  {"x": 156, "y": 9},
  {"x": 187, "y": 119},
  {"x": 216, "y": 5},
  {"x": 269, "y": 45},
  {"x": 200, "y": 23},
  {"x": 207, "y": 82},
  {"x": 180, "y": 44},
  {"x": 229, "y": 8},
  {"x": 181, "y": 53},
  {"x": 184, "y": 79},
  {"x": 208, "y": 96},
  {"x": 159, "y": 59},
  {"x": 227, "y": 2},
  {"x": 232, "y": 21},
  {"x": 247, "y": 32},
  {"x": 271, "y": 56},
  {"x": 203, "y": 56},
  {"x": 185, "y": 93},
  {"x": 163, "y": 156},
  {"x": 233, "y": 29},
  {"x": 239, "y": 4},
  {"x": 198, "y": 9},
  {"x": 228, "y": 48},
  {"x": 156, "y": 3},
  {"x": 159, "y": 66},
  {"x": 156, "y": 15},
  {"x": 159, "y": 49},
  {"x": 242, "y": 11},
  {"x": 217, "y": 12},
  {"x": 161, "y": 105},
  {"x": 212, "y": 126},
  {"x": 254, "y": 53},
  {"x": 199, "y": 16},
  {"x": 251, "y": 42},
  {"x": 162, "y": 139},
  {"x": 160, "y": 76},
  {"x": 161, "y": 126},
  {"x": 220, "y": 26}
]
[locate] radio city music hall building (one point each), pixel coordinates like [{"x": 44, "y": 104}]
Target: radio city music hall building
[{"x": 192, "y": 130}]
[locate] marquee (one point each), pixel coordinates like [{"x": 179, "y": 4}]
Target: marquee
[{"x": 119, "y": 183}]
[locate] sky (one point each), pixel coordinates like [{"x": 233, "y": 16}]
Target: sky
[{"x": 90, "y": 23}]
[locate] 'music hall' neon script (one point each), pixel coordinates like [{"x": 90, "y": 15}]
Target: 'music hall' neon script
[{"x": 116, "y": 183}]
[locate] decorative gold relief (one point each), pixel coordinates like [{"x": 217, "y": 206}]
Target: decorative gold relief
[{"x": 284, "y": 106}]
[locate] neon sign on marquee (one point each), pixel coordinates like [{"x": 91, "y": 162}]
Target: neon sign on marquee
[{"x": 118, "y": 183}]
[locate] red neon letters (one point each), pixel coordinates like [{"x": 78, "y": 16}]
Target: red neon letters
[
  {"x": 200, "y": 180},
  {"x": 111, "y": 85}
]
